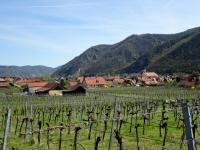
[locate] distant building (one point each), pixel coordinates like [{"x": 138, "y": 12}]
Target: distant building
[
  {"x": 115, "y": 80},
  {"x": 150, "y": 78},
  {"x": 50, "y": 86},
  {"x": 4, "y": 83},
  {"x": 190, "y": 81},
  {"x": 95, "y": 82},
  {"x": 32, "y": 86},
  {"x": 2, "y": 80}
]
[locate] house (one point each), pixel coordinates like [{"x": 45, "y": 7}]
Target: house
[
  {"x": 95, "y": 82},
  {"x": 50, "y": 86},
  {"x": 116, "y": 80},
  {"x": 4, "y": 83},
  {"x": 31, "y": 85},
  {"x": 190, "y": 81},
  {"x": 2, "y": 80},
  {"x": 150, "y": 78}
]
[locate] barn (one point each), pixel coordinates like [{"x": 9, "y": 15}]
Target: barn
[{"x": 76, "y": 90}]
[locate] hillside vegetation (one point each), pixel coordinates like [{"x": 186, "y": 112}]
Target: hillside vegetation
[{"x": 164, "y": 53}]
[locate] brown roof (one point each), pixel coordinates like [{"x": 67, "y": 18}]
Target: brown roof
[{"x": 48, "y": 87}]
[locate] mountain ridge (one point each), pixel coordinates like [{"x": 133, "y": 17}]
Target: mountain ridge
[{"x": 26, "y": 71}]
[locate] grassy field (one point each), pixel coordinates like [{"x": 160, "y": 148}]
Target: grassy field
[{"x": 101, "y": 106}]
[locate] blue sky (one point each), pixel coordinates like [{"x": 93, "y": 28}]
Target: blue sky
[{"x": 52, "y": 32}]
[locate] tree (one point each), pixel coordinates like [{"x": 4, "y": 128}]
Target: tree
[{"x": 62, "y": 82}]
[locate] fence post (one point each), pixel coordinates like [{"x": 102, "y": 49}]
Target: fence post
[
  {"x": 112, "y": 129},
  {"x": 7, "y": 129},
  {"x": 188, "y": 126}
]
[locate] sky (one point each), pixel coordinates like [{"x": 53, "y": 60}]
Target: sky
[{"x": 53, "y": 32}]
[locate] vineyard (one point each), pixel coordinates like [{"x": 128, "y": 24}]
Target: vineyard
[{"x": 116, "y": 118}]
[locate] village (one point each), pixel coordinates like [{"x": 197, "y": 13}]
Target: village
[{"x": 79, "y": 85}]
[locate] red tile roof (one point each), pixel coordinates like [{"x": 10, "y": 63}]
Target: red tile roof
[
  {"x": 33, "y": 84},
  {"x": 25, "y": 81},
  {"x": 38, "y": 84},
  {"x": 95, "y": 81},
  {"x": 4, "y": 84}
]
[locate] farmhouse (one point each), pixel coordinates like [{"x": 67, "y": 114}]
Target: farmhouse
[
  {"x": 150, "y": 78},
  {"x": 50, "y": 86},
  {"x": 31, "y": 85}
]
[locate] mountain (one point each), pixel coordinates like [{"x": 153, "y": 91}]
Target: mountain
[
  {"x": 164, "y": 53},
  {"x": 25, "y": 71},
  {"x": 180, "y": 54}
]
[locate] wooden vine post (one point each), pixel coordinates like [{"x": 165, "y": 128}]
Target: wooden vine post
[
  {"x": 105, "y": 128},
  {"x": 39, "y": 131},
  {"x": 112, "y": 129},
  {"x": 60, "y": 139},
  {"x": 77, "y": 129},
  {"x": 118, "y": 136},
  {"x": 164, "y": 125},
  {"x": 137, "y": 135},
  {"x": 97, "y": 142},
  {"x": 7, "y": 129},
  {"x": 188, "y": 126},
  {"x": 48, "y": 135},
  {"x": 31, "y": 131}
]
